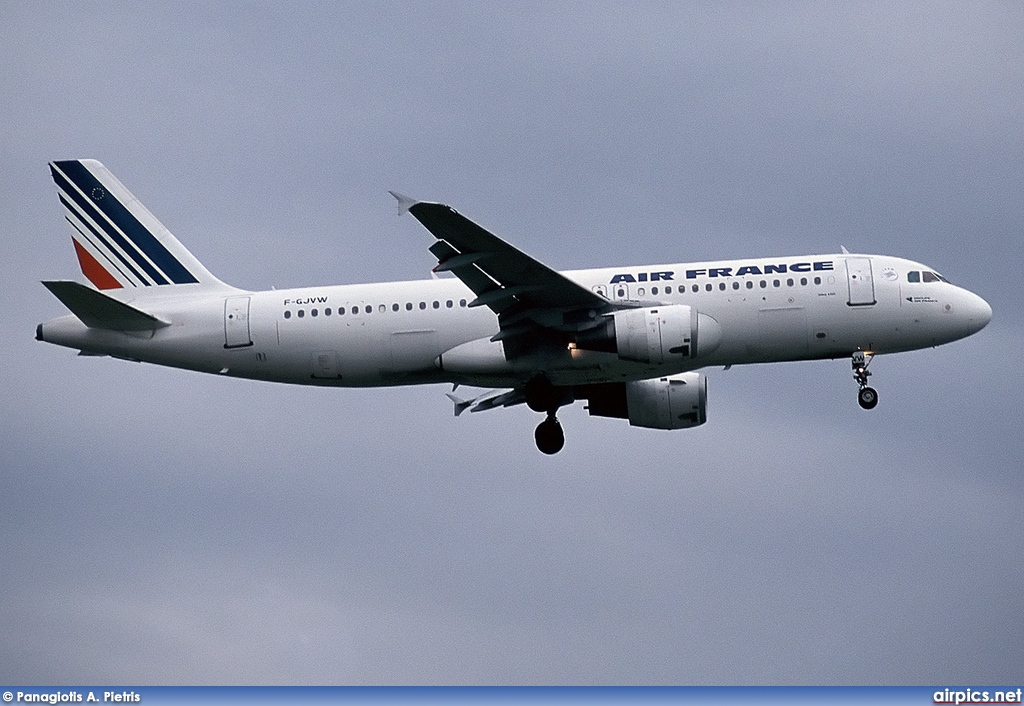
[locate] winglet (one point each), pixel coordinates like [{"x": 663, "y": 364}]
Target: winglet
[{"x": 404, "y": 202}]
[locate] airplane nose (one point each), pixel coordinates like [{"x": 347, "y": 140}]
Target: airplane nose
[
  {"x": 976, "y": 312},
  {"x": 986, "y": 312}
]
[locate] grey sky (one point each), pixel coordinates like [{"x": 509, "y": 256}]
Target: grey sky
[{"x": 165, "y": 527}]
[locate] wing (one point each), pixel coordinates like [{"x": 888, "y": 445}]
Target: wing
[{"x": 536, "y": 305}]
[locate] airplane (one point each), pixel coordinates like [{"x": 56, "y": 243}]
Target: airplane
[{"x": 628, "y": 341}]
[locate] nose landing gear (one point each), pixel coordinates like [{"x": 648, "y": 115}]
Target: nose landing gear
[{"x": 867, "y": 397}]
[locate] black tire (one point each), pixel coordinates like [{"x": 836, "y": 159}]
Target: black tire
[
  {"x": 549, "y": 436},
  {"x": 867, "y": 397}
]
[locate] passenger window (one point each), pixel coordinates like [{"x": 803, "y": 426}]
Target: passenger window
[
  {"x": 654, "y": 291},
  {"x": 287, "y": 314},
  {"x": 721, "y": 286},
  {"x": 327, "y": 311},
  {"x": 735, "y": 285},
  {"x": 696, "y": 289},
  {"x": 641, "y": 291},
  {"x": 408, "y": 306},
  {"x": 369, "y": 309},
  {"x": 776, "y": 283},
  {"x": 302, "y": 312},
  {"x": 394, "y": 307},
  {"x": 381, "y": 308},
  {"x": 423, "y": 305},
  {"x": 708, "y": 287},
  {"x": 764, "y": 283},
  {"x": 449, "y": 303},
  {"x": 462, "y": 302},
  {"x": 355, "y": 310},
  {"x": 750, "y": 284},
  {"x": 913, "y": 276},
  {"x": 314, "y": 312},
  {"x": 789, "y": 282},
  {"x": 803, "y": 281},
  {"x": 817, "y": 280},
  {"x": 437, "y": 304}
]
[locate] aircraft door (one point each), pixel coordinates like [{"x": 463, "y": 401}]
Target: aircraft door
[
  {"x": 620, "y": 291},
  {"x": 236, "y": 322},
  {"x": 861, "y": 283}
]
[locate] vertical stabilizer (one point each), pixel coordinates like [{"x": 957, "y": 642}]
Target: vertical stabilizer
[{"x": 119, "y": 243}]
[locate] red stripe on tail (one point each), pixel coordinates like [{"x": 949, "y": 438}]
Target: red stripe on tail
[{"x": 92, "y": 269}]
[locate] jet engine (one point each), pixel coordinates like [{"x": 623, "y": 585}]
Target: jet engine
[
  {"x": 655, "y": 335},
  {"x": 673, "y": 402}
]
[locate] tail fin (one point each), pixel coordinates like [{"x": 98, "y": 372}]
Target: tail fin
[{"x": 119, "y": 243}]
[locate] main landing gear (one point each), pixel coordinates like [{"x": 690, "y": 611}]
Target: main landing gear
[
  {"x": 542, "y": 396},
  {"x": 866, "y": 397},
  {"x": 549, "y": 435}
]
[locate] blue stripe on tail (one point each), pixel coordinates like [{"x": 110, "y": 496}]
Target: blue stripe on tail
[
  {"x": 116, "y": 213},
  {"x": 103, "y": 240}
]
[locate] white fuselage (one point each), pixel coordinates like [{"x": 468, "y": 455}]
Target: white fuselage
[{"x": 395, "y": 333}]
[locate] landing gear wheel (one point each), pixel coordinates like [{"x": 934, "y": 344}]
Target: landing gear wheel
[
  {"x": 867, "y": 397},
  {"x": 549, "y": 436}
]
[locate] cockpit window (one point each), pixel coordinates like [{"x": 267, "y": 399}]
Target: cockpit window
[{"x": 925, "y": 276}]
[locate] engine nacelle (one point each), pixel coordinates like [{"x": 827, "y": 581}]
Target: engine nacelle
[
  {"x": 659, "y": 334},
  {"x": 673, "y": 402}
]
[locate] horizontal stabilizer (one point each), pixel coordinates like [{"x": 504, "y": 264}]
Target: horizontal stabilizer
[
  {"x": 460, "y": 404},
  {"x": 98, "y": 310},
  {"x": 503, "y": 399}
]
